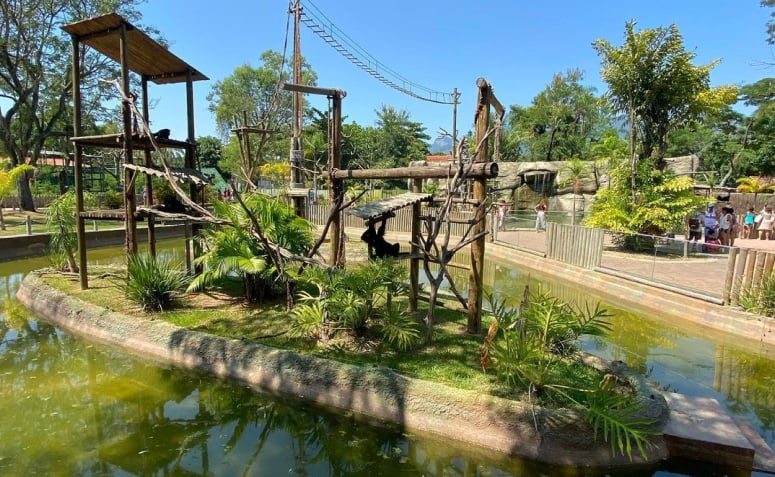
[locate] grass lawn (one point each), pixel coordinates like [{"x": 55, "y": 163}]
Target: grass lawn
[
  {"x": 453, "y": 359},
  {"x": 16, "y": 223}
]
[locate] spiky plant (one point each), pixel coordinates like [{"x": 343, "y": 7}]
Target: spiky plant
[{"x": 154, "y": 283}]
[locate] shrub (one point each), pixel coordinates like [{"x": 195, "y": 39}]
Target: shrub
[
  {"x": 761, "y": 298},
  {"x": 154, "y": 283},
  {"x": 112, "y": 200}
]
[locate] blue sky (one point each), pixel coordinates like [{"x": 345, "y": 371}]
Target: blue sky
[{"x": 516, "y": 45}]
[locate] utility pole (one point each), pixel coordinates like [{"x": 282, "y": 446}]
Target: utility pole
[
  {"x": 455, "y": 97},
  {"x": 297, "y": 152}
]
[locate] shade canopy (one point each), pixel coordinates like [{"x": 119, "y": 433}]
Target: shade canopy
[
  {"x": 384, "y": 206},
  {"x": 145, "y": 55}
]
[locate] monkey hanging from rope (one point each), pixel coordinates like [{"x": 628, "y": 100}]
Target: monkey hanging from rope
[{"x": 376, "y": 239}]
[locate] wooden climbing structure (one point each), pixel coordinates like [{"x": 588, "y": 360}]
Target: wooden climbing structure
[{"x": 114, "y": 37}]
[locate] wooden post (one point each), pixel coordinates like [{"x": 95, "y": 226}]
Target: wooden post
[
  {"x": 336, "y": 189},
  {"x": 80, "y": 228},
  {"x": 194, "y": 191},
  {"x": 731, "y": 261},
  {"x": 130, "y": 225},
  {"x": 475, "y": 276},
  {"x": 414, "y": 261},
  {"x": 149, "y": 178}
]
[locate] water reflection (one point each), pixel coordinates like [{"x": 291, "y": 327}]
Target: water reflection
[{"x": 74, "y": 408}]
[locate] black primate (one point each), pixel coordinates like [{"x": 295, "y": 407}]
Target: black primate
[{"x": 376, "y": 239}]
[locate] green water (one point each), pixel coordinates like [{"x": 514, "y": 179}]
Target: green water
[{"x": 70, "y": 407}]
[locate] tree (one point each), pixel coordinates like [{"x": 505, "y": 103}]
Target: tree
[
  {"x": 771, "y": 22},
  {"x": 7, "y": 181},
  {"x": 35, "y": 75},
  {"x": 752, "y": 185},
  {"x": 209, "y": 150},
  {"x": 399, "y": 140},
  {"x": 561, "y": 122},
  {"x": 652, "y": 81},
  {"x": 251, "y": 97}
]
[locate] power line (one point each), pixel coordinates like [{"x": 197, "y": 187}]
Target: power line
[{"x": 347, "y": 47}]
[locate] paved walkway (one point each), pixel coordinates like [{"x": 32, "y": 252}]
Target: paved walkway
[{"x": 700, "y": 272}]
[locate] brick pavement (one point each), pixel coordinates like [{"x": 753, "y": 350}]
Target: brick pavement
[{"x": 700, "y": 272}]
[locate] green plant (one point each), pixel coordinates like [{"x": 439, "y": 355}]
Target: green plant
[
  {"x": 154, "y": 283},
  {"x": 112, "y": 200},
  {"x": 759, "y": 299},
  {"x": 532, "y": 347},
  {"x": 237, "y": 249},
  {"x": 60, "y": 222},
  {"x": 357, "y": 301}
]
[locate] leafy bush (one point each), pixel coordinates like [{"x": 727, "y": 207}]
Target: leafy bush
[
  {"x": 112, "y": 200},
  {"x": 154, "y": 283},
  {"x": 358, "y": 301}
]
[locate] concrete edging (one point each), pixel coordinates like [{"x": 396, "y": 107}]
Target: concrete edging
[{"x": 506, "y": 426}]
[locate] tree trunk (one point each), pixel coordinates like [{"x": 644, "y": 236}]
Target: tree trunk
[
  {"x": 431, "y": 315},
  {"x": 26, "y": 201},
  {"x": 71, "y": 263}
]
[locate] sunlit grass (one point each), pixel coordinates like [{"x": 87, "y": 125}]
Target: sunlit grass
[{"x": 453, "y": 359}]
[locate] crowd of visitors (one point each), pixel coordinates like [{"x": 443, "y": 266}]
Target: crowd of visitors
[{"x": 721, "y": 226}]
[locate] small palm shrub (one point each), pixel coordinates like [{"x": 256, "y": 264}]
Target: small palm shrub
[
  {"x": 533, "y": 347},
  {"x": 154, "y": 283},
  {"x": 358, "y": 302}
]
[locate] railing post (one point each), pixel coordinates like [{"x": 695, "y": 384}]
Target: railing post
[{"x": 29, "y": 225}]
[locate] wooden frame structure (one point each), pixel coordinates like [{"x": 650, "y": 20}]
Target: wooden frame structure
[{"x": 117, "y": 39}]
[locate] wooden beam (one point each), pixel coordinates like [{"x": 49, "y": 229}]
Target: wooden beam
[
  {"x": 486, "y": 170},
  {"x": 313, "y": 90}
]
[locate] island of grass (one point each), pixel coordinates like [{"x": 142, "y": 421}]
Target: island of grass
[{"x": 345, "y": 338}]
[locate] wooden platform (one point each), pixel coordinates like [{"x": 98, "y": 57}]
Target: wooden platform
[{"x": 700, "y": 429}]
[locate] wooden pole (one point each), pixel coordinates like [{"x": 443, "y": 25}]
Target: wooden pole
[
  {"x": 414, "y": 263},
  {"x": 191, "y": 163},
  {"x": 336, "y": 189},
  {"x": 130, "y": 225},
  {"x": 80, "y": 228},
  {"x": 485, "y": 170},
  {"x": 297, "y": 152},
  {"x": 475, "y": 277},
  {"x": 148, "y": 178}
]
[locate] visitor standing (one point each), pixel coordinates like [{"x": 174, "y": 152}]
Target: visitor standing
[
  {"x": 541, "y": 215},
  {"x": 502, "y": 209},
  {"x": 711, "y": 221},
  {"x": 749, "y": 224},
  {"x": 694, "y": 226},
  {"x": 765, "y": 226}
]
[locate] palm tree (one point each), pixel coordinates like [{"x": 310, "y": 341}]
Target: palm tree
[
  {"x": 8, "y": 180},
  {"x": 752, "y": 185},
  {"x": 576, "y": 170},
  {"x": 238, "y": 249}
]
